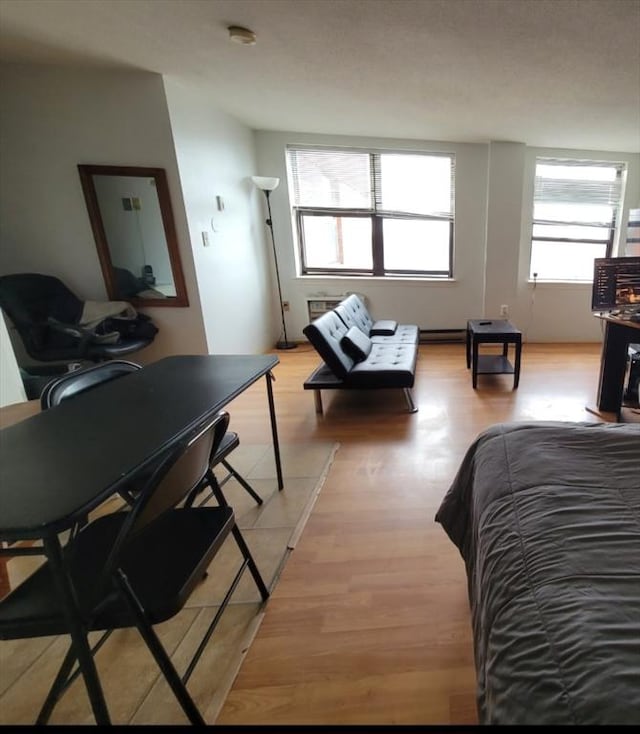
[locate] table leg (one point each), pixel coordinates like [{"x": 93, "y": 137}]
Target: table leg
[
  {"x": 613, "y": 364},
  {"x": 77, "y": 631},
  {"x": 474, "y": 370},
  {"x": 516, "y": 369},
  {"x": 274, "y": 429},
  {"x": 468, "y": 344}
]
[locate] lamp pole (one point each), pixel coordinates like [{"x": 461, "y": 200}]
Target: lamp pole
[{"x": 285, "y": 344}]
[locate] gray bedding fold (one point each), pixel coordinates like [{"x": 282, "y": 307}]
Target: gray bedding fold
[{"x": 547, "y": 518}]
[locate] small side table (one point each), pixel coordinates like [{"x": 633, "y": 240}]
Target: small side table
[{"x": 493, "y": 331}]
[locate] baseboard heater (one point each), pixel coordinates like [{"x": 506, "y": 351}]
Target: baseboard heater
[{"x": 428, "y": 336}]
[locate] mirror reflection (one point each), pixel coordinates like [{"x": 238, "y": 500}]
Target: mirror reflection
[{"x": 132, "y": 222}]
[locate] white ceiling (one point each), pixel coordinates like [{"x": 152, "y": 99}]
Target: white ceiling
[{"x": 550, "y": 73}]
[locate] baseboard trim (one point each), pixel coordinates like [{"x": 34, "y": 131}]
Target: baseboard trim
[{"x": 442, "y": 335}]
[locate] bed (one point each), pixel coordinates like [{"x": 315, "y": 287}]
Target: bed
[{"x": 546, "y": 516}]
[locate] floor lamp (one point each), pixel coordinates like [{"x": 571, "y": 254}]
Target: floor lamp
[{"x": 267, "y": 185}]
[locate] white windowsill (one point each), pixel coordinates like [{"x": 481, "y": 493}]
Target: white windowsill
[
  {"x": 374, "y": 279},
  {"x": 566, "y": 284}
]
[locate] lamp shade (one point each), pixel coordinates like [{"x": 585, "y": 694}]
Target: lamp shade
[{"x": 265, "y": 183}]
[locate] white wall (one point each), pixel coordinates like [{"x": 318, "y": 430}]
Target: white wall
[
  {"x": 11, "y": 387},
  {"x": 494, "y": 189},
  {"x": 216, "y": 157},
  {"x": 504, "y": 207},
  {"x": 52, "y": 119}
]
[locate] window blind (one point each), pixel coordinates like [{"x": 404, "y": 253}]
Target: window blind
[
  {"x": 576, "y": 191},
  {"x": 331, "y": 179},
  {"x": 392, "y": 184}
]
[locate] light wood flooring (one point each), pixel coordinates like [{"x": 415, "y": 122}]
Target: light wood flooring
[{"x": 370, "y": 622}]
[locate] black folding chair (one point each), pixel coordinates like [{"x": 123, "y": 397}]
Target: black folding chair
[
  {"x": 137, "y": 568},
  {"x": 78, "y": 381},
  {"x": 229, "y": 443}
]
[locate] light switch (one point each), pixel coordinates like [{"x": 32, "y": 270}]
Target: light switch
[
  {"x": 220, "y": 203},
  {"x": 205, "y": 239}
]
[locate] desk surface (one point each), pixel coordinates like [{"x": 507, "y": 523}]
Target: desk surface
[
  {"x": 63, "y": 462},
  {"x": 620, "y": 320}
]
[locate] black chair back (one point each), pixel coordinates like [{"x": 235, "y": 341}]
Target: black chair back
[
  {"x": 79, "y": 381},
  {"x": 176, "y": 476},
  {"x": 31, "y": 298}
]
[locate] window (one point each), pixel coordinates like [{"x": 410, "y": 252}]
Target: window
[
  {"x": 575, "y": 211},
  {"x": 373, "y": 213}
]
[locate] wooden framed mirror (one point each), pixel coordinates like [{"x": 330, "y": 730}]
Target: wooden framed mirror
[{"x": 132, "y": 221}]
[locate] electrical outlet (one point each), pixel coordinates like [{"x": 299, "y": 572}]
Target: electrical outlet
[
  {"x": 504, "y": 310},
  {"x": 285, "y": 305}
]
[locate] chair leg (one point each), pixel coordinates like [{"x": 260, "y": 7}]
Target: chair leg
[
  {"x": 207, "y": 636},
  {"x": 160, "y": 654},
  {"x": 244, "y": 548},
  {"x": 216, "y": 489},
  {"x": 65, "y": 678},
  {"x": 246, "y": 553},
  {"x": 242, "y": 481},
  {"x": 57, "y": 689}
]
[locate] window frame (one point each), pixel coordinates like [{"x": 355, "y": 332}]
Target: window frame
[
  {"x": 377, "y": 217},
  {"x": 611, "y": 226}
]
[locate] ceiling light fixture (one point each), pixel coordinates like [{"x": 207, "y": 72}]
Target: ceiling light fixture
[{"x": 238, "y": 34}]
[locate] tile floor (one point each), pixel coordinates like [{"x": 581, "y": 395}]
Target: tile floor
[{"x": 135, "y": 691}]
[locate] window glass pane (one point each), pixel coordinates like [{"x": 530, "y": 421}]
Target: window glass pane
[
  {"x": 571, "y": 231},
  {"x": 338, "y": 242},
  {"x": 416, "y": 244},
  {"x": 563, "y": 212},
  {"x": 564, "y": 260},
  {"x": 416, "y": 184},
  {"x": 328, "y": 178}
]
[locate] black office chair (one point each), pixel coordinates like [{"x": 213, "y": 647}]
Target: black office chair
[
  {"x": 47, "y": 316},
  {"x": 73, "y": 383},
  {"x": 138, "y": 568}
]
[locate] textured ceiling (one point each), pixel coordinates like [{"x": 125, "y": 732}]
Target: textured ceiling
[{"x": 554, "y": 73}]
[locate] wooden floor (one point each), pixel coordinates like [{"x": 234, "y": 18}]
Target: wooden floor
[{"x": 370, "y": 622}]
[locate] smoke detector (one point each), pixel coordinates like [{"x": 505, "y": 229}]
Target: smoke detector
[{"x": 241, "y": 35}]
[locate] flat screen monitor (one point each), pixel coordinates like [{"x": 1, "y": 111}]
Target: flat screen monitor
[{"x": 616, "y": 284}]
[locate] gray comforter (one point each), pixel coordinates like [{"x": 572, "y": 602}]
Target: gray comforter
[{"x": 547, "y": 518}]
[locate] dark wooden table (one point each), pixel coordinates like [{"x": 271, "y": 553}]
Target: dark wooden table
[
  {"x": 618, "y": 334},
  {"x": 493, "y": 331},
  {"x": 58, "y": 465}
]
